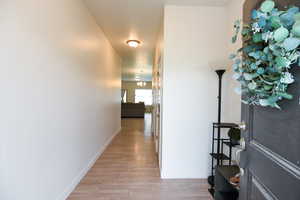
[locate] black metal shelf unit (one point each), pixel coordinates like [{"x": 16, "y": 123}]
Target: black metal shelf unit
[{"x": 218, "y": 154}]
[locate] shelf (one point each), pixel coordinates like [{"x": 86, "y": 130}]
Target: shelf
[
  {"x": 228, "y": 171},
  {"x": 225, "y": 125},
  {"x": 219, "y": 156},
  {"x": 230, "y": 144},
  {"x": 216, "y": 139},
  {"x": 226, "y": 191}
]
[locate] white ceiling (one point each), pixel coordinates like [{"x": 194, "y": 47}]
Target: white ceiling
[{"x": 122, "y": 20}]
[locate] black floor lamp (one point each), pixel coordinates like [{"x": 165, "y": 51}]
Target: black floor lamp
[{"x": 220, "y": 73}]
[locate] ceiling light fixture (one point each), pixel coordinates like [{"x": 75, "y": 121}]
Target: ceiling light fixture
[
  {"x": 141, "y": 83},
  {"x": 133, "y": 43}
]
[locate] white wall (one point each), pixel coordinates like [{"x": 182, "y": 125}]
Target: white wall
[
  {"x": 60, "y": 97},
  {"x": 195, "y": 39},
  {"x": 232, "y": 100}
]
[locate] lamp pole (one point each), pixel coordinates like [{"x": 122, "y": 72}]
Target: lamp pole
[{"x": 220, "y": 75}]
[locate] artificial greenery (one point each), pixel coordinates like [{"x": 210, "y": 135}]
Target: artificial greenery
[{"x": 271, "y": 48}]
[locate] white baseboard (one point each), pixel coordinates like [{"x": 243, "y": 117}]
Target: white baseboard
[
  {"x": 180, "y": 175},
  {"x": 84, "y": 171}
]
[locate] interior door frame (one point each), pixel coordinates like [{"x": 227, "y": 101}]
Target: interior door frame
[{"x": 157, "y": 110}]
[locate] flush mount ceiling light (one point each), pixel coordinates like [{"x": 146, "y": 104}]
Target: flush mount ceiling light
[
  {"x": 141, "y": 83},
  {"x": 133, "y": 43}
]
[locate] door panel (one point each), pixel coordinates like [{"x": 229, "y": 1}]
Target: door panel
[
  {"x": 277, "y": 129},
  {"x": 271, "y": 160},
  {"x": 275, "y": 173},
  {"x": 259, "y": 191}
]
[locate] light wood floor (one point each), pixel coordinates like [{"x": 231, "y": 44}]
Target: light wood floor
[{"x": 128, "y": 170}]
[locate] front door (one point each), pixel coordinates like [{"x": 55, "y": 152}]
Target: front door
[{"x": 271, "y": 161}]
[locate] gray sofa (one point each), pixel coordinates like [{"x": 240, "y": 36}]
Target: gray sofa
[{"x": 133, "y": 110}]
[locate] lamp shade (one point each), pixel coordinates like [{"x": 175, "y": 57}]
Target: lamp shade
[{"x": 218, "y": 65}]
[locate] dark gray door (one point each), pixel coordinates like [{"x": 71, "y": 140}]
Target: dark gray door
[{"x": 271, "y": 160}]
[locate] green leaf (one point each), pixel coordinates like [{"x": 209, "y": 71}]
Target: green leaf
[
  {"x": 285, "y": 95},
  {"x": 245, "y": 102},
  {"x": 234, "y": 39},
  {"x": 281, "y": 34},
  {"x": 274, "y": 77},
  {"x": 255, "y": 75},
  {"x": 254, "y": 14},
  {"x": 257, "y": 38},
  {"x": 296, "y": 29},
  {"x": 248, "y": 76},
  {"x": 266, "y": 50},
  {"x": 232, "y": 56},
  {"x": 287, "y": 19},
  {"x": 291, "y": 44},
  {"x": 237, "y": 23},
  {"x": 255, "y": 55},
  {"x": 275, "y": 105},
  {"x": 253, "y": 66},
  {"x": 264, "y": 102},
  {"x": 260, "y": 70},
  {"x": 236, "y": 76},
  {"x": 267, "y": 6},
  {"x": 245, "y": 31},
  {"x": 293, "y": 10},
  {"x": 281, "y": 62},
  {"x": 297, "y": 17},
  {"x": 268, "y": 87},
  {"x": 276, "y": 52},
  {"x": 275, "y": 22},
  {"x": 272, "y": 100},
  {"x": 235, "y": 67},
  {"x": 238, "y": 61},
  {"x": 252, "y": 86}
]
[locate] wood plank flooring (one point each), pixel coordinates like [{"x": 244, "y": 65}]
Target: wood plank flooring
[{"x": 128, "y": 170}]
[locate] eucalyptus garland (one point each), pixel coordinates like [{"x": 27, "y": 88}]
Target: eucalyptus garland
[{"x": 271, "y": 48}]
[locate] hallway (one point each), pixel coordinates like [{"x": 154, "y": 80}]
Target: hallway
[{"x": 128, "y": 170}]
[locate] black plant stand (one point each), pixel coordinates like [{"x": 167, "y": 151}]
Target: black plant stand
[{"x": 218, "y": 155}]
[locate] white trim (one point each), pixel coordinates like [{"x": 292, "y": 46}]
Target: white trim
[{"x": 70, "y": 188}]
